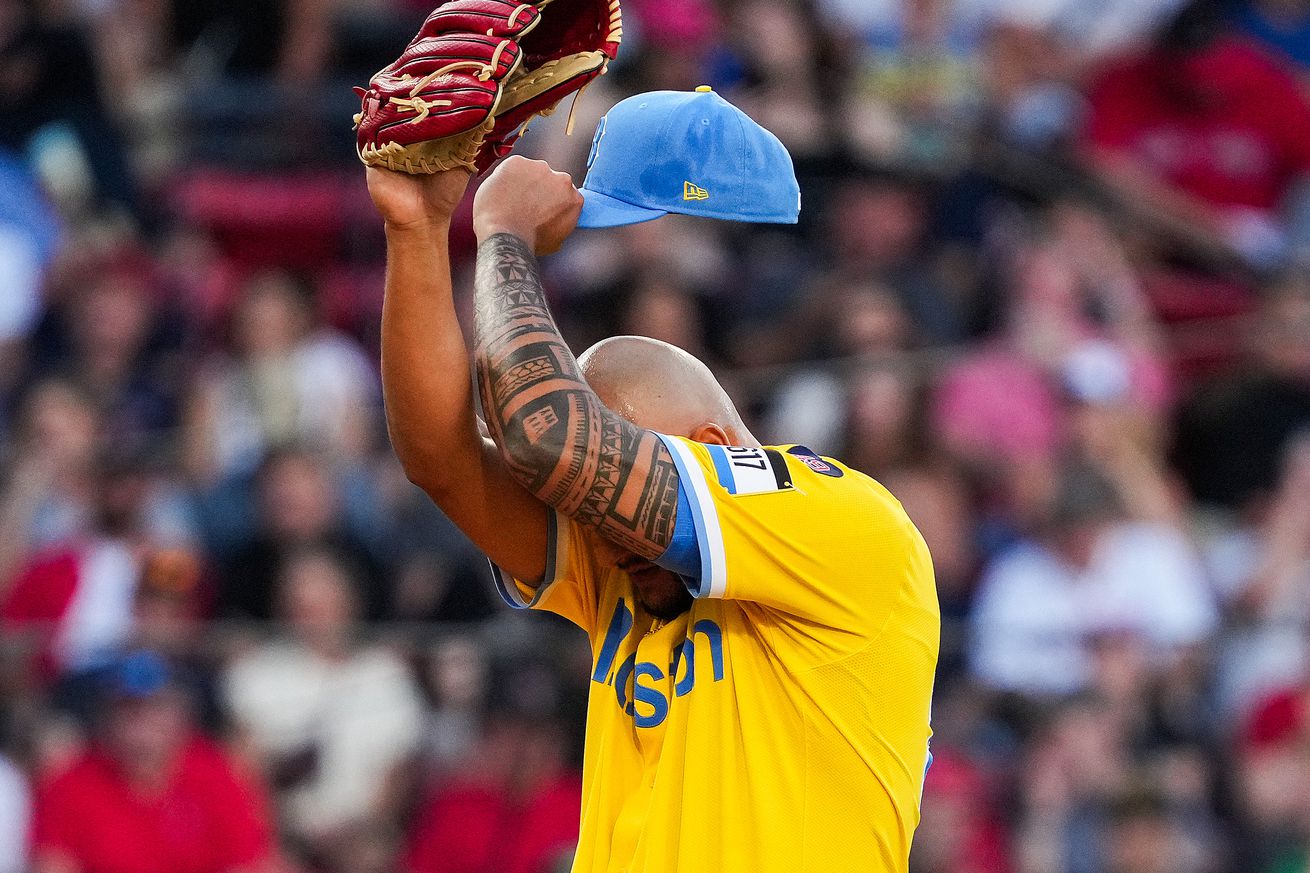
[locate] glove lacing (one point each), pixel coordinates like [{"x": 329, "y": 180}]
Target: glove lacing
[{"x": 422, "y": 108}]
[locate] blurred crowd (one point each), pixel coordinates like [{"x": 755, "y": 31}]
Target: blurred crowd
[{"x": 1051, "y": 285}]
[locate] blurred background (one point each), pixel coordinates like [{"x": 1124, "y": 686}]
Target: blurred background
[{"x": 1051, "y": 285}]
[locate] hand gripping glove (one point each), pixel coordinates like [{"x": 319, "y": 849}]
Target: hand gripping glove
[{"x": 476, "y": 73}]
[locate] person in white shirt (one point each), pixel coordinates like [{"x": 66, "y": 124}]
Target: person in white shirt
[
  {"x": 328, "y": 717},
  {"x": 1040, "y": 603}
]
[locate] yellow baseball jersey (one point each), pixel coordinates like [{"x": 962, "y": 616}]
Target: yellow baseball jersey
[{"x": 781, "y": 725}]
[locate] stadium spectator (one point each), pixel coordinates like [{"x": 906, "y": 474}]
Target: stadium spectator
[
  {"x": 326, "y": 715},
  {"x": 288, "y": 381},
  {"x": 432, "y": 586},
  {"x": 847, "y": 317},
  {"x": 152, "y": 795},
  {"x": 1232, "y": 431},
  {"x": 876, "y": 231},
  {"x": 511, "y": 805},
  {"x": 107, "y": 342},
  {"x": 916, "y": 84},
  {"x": 49, "y": 487},
  {"x": 789, "y": 62},
  {"x": 1263, "y": 569},
  {"x": 167, "y": 609},
  {"x": 77, "y": 595},
  {"x": 458, "y": 676},
  {"x": 1204, "y": 133},
  {"x": 1076, "y": 762},
  {"x": 52, "y": 107},
  {"x": 299, "y": 505},
  {"x": 885, "y": 428},
  {"x": 1091, "y": 569},
  {"x": 1027, "y": 67},
  {"x": 1075, "y": 296},
  {"x": 438, "y": 574}
]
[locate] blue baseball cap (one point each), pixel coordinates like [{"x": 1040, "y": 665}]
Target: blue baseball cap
[
  {"x": 690, "y": 152},
  {"x": 140, "y": 674}
]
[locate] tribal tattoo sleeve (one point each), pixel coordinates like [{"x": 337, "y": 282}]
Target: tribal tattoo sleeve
[{"x": 559, "y": 441}]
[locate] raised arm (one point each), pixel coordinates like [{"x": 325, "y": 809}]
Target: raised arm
[
  {"x": 427, "y": 381},
  {"x": 558, "y": 440}
]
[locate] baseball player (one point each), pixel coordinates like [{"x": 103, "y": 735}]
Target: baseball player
[{"x": 763, "y": 621}]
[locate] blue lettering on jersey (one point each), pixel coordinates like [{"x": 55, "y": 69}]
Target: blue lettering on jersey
[
  {"x": 652, "y": 697},
  {"x": 714, "y": 637},
  {"x": 621, "y": 683},
  {"x": 620, "y": 624},
  {"x": 683, "y": 654},
  {"x": 705, "y": 633}
]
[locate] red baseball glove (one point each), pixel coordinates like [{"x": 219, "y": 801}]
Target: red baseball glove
[{"x": 478, "y": 71}]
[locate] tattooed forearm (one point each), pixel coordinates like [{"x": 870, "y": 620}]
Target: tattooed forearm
[{"x": 560, "y": 442}]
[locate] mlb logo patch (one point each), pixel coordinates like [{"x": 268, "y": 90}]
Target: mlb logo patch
[{"x": 815, "y": 463}]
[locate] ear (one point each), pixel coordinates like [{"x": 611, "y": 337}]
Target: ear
[{"x": 711, "y": 434}]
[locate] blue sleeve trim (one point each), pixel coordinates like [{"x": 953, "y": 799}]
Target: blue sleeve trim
[
  {"x": 696, "y": 575},
  {"x": 683, "y": 554},
  {"x": 723, "y": 469}
]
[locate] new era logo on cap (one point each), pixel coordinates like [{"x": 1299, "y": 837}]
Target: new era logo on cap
[
  {"x": 649, "y": 145},
  {"x": 694, "y": 192}
]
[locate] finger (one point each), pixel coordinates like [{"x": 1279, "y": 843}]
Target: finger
[
  {"x": 563, "y": 184},
  {"x": 519, "y": 165}
]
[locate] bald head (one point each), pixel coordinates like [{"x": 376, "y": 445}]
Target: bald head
[{"x": 660, "y": 387}]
